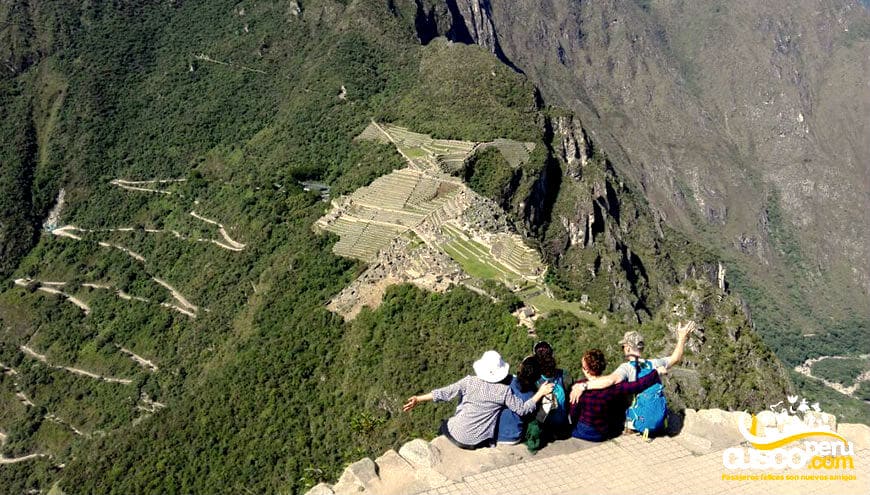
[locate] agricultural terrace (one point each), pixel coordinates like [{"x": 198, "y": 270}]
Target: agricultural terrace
[{"x": 424, "y": 200}]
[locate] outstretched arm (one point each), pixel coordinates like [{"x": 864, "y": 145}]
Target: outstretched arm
[
  {"x": 414, "y": 400},
  {"x": 683, "y": 331},
  {"x": 438, "y": 395}
]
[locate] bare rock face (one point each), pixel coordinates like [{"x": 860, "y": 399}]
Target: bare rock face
[
  {"x": 457, "y": 463},
  {"x": 574, "y": 147},
  {"x": 708, "y": 430},
  {"x": 294, "y": 8},
  {"x": 857, "y": 433},
  {"x": 397, "y": 476},
  {"x": 320, "y": 489},
  {"x": 477, "y": 19},
  {"x": 657, "y": 88}
]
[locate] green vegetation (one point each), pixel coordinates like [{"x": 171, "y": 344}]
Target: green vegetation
[
  {"x": 847, "y": 409},
  {"x": 547, "y": 304},
  {"x": 734, "y": 370},
  {"x": 471, "y": 263},
  {"x": 265, "y": 390},
  {"x": 475, "y": 258},
  {"x": 842, "y": 371},
  {"x": 489, "y": 174},
  {"x": 783, "y": 330},
  {"x": 463, "y": 92}
]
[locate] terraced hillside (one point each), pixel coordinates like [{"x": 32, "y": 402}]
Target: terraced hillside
[{"x": 422, "y": 200}]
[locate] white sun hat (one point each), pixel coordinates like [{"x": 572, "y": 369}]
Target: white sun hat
[{"x": 491, "y": 367}]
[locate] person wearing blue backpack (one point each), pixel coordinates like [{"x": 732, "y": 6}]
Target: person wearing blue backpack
[
  {"x": 647, "y": 412},
  {"x": 598, "y": 414},
  {"x": 553, "y": 414}
]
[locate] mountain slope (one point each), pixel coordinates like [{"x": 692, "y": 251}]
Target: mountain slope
[
  {"x": 743, "y": 123},
  {"x": 179, "y": 133}
]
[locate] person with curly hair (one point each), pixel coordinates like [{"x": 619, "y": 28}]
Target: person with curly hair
[{"x": 600, "y": 414}]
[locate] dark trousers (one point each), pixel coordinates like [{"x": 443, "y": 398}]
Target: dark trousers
[
  {"x": 586, "y": 432},
  {"x": 443, "y": 430}
]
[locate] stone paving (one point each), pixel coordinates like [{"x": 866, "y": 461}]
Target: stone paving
[{"x": 664, "y": 466}]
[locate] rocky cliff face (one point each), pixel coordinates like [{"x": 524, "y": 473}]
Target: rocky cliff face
[{"x": 722, "y": 113}]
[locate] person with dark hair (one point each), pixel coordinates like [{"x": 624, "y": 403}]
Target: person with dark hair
[
  {"x": 553, "y": 413},
  {"x": 600, "y": 414},
  {"x": 512, "y": 426},
  {"x": 481, "y": 398}
]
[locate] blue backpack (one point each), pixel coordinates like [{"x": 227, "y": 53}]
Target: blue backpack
[
  {"x": 556, "y": 413},
  {"x": 649, "y": 409}
]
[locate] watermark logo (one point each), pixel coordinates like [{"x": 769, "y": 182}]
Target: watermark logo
[{"x": 791, "y": 437}]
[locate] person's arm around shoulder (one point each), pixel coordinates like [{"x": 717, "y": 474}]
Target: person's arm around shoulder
[
  {"x": 642, "y": 383},
  {"x": 596, "y": 384},
  {"x": 522, "y": 408},
  {"x": 683, "y": 331}
]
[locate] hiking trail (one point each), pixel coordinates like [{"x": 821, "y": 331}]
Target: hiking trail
[{"x": 42, "y": 358}]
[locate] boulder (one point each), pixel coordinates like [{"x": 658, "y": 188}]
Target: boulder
[
  {"x": 420, "y": 454},
  {"x": 398, "y": 476},
  {"x": 710, "y": 429},
  {"x": 320, "y": 489},
  {"x": 357, "y": 478}
]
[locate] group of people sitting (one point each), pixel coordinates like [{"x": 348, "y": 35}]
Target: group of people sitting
[{"x": 541, "y": 403}]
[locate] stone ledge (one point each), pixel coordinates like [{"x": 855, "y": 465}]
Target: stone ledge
[{"x": 421, "y": 466}]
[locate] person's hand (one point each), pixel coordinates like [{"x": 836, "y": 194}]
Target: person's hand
[
  {"x": 576, "y": 393},
  {"x": 411, "y": 404},
  {"x": 545, "y": 388},
  {"x": 684, "y": 329},
  {"x": 663, "y": 370}
]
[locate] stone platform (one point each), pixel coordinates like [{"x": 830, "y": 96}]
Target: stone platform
[{"x": 690, "y": 462}]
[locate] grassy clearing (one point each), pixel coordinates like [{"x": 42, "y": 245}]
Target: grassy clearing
[
  {"x": 476, "y": 259},
  {"x": 472, "y": 265},
  {"x": 546, "y": 304}
]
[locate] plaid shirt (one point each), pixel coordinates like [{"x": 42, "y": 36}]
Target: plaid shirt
[
  {"x": 604, "y": 410},
  {"x": 480, "y": 404}
]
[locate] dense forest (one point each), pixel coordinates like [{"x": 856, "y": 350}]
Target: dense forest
[{"x": 255, "y": 385}]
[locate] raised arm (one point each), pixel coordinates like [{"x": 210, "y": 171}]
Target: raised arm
[{"x": 683, "y": 331}]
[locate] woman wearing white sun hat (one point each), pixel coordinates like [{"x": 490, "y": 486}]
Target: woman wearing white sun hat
[{"x": 482, "y": 397}]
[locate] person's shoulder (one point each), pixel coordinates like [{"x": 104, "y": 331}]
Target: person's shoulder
[{"x": 624, "y": 368}]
